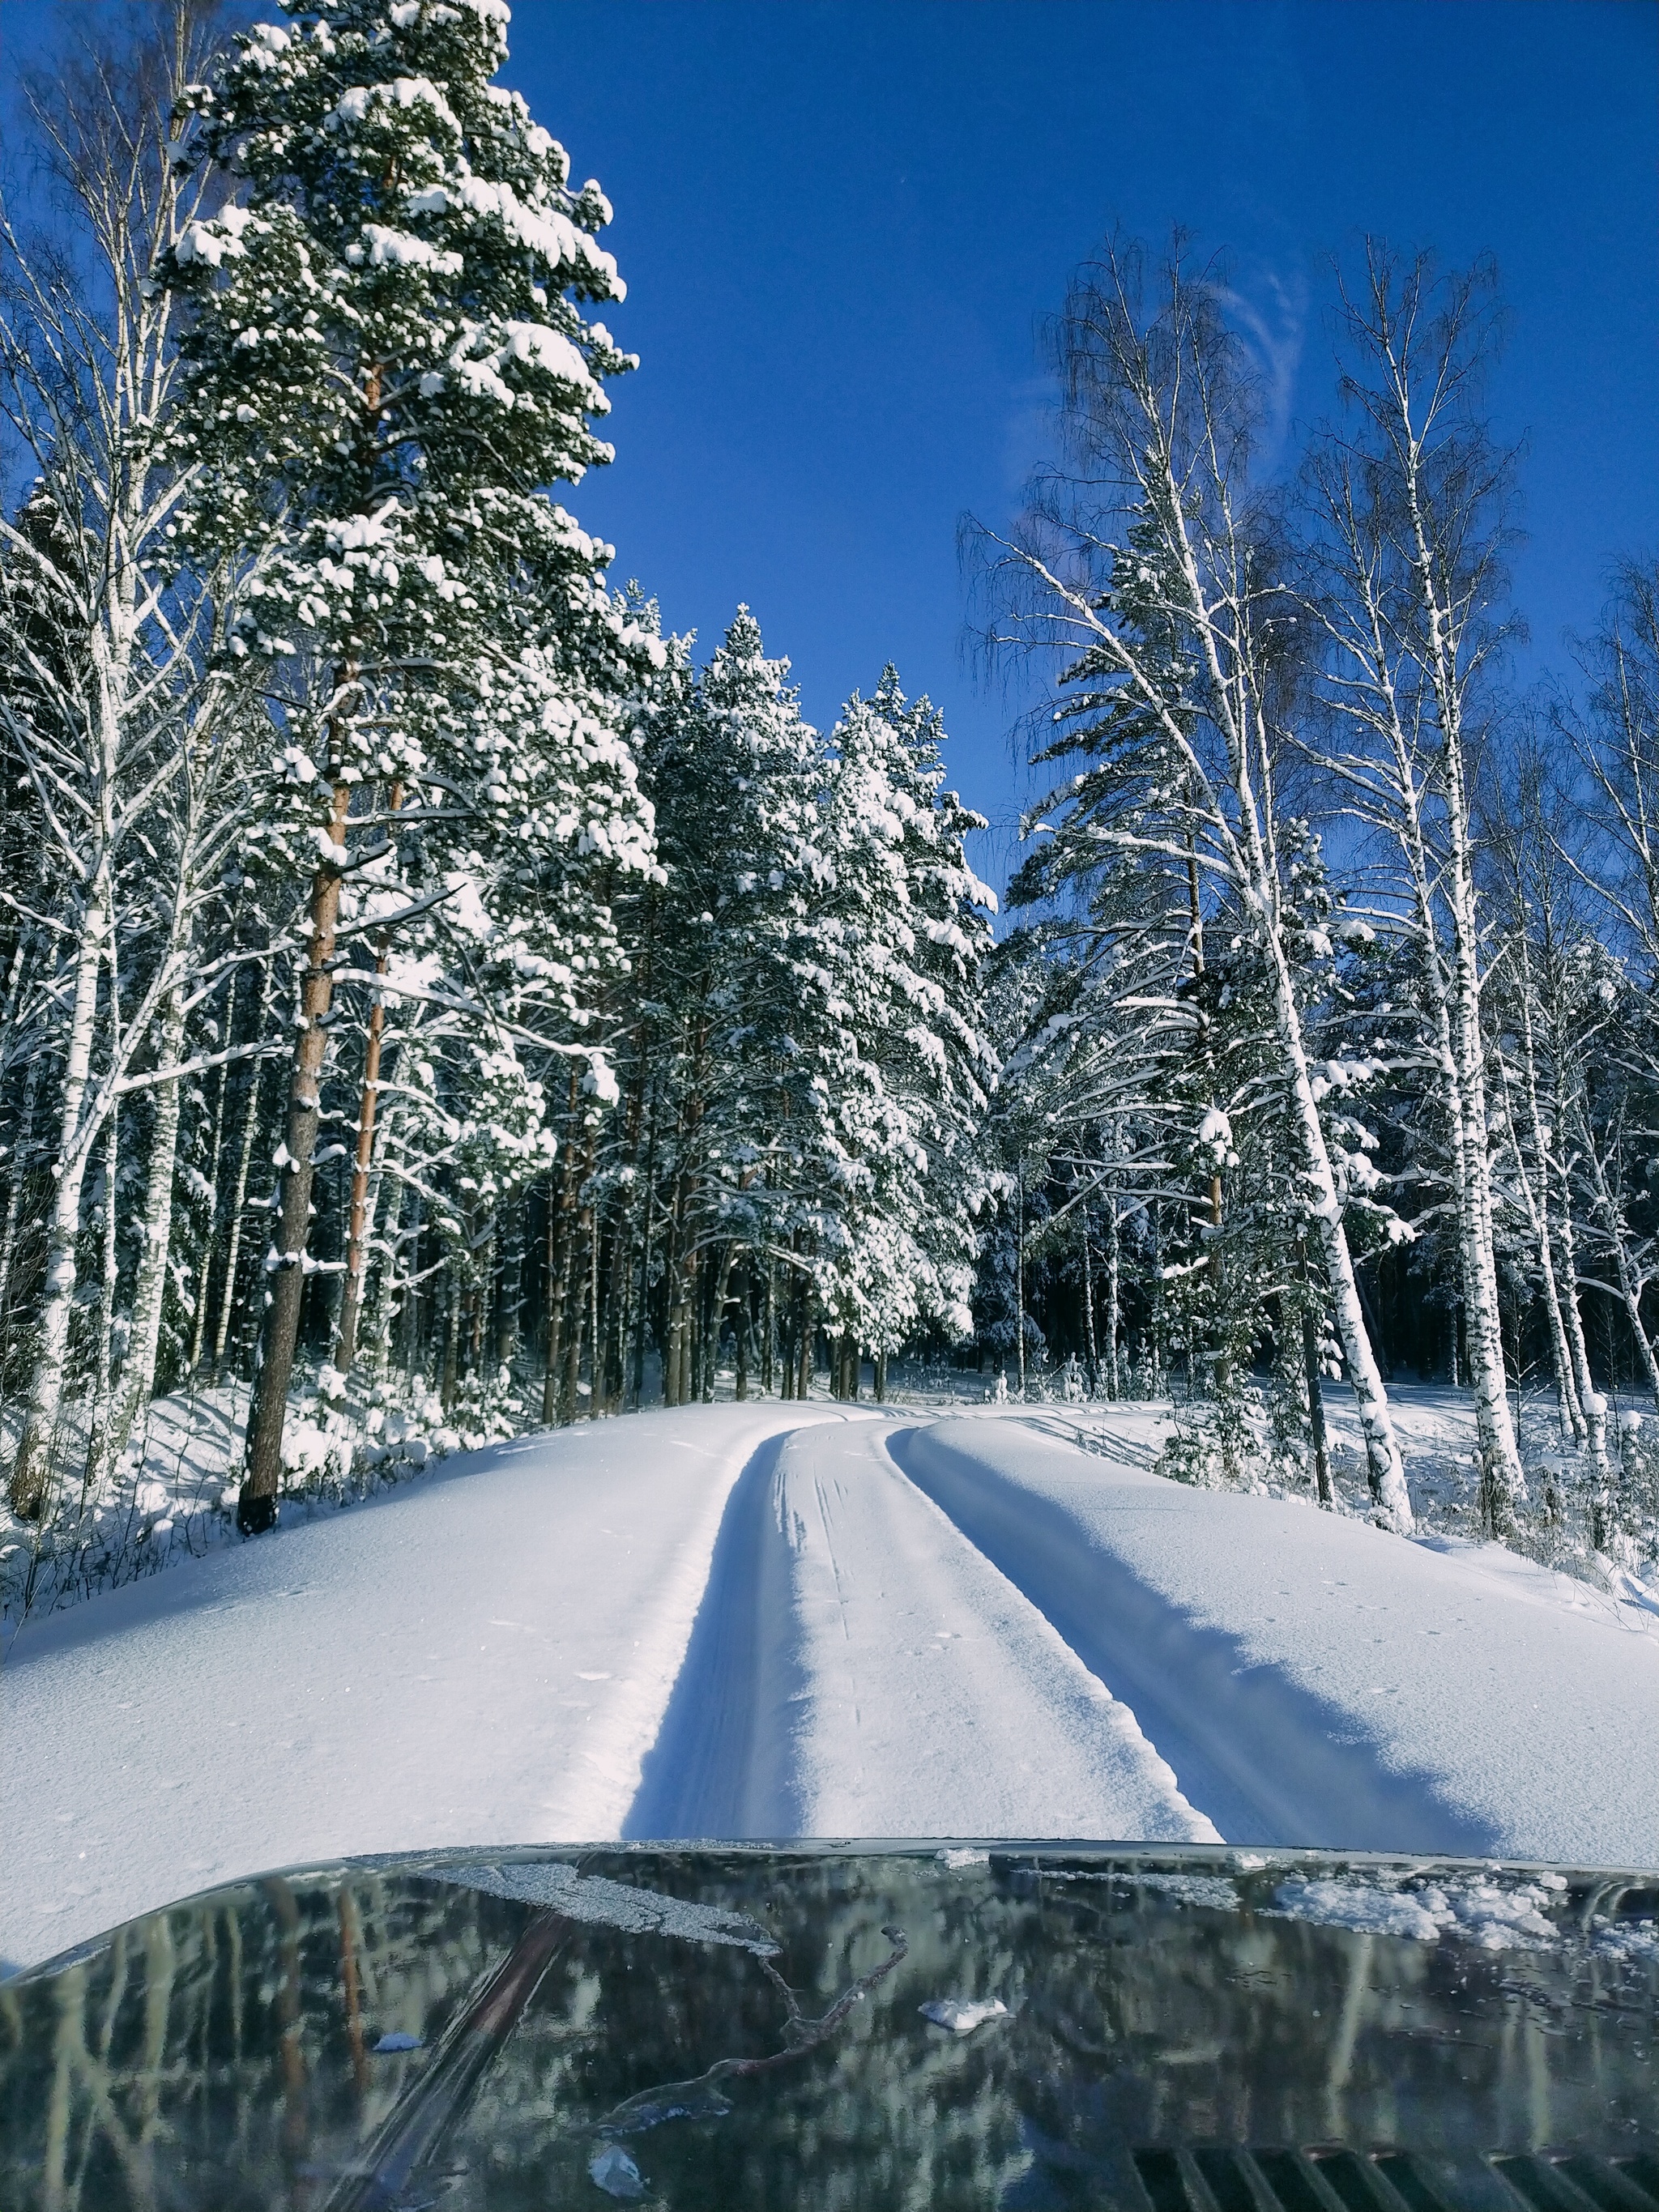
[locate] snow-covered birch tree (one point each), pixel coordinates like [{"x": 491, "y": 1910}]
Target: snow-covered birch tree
[
  {"x": 1410, "y": 500},
  {"x": 1147, "y": 573},
  {"x": 120, "y": 734}
]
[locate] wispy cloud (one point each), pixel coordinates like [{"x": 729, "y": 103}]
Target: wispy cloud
[
  {"x": 1270, "y": 310},
  {"x": 1028, "y": 435}
]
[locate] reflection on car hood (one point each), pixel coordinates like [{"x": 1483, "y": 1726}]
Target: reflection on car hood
[{"x": 1200, "y": 2030}]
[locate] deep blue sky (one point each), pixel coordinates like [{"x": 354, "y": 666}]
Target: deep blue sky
[{"x": 841, "y": 221}]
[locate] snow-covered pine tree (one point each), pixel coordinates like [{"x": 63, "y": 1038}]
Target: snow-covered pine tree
[
  {"x": 1016, "y": 1143},
  {"x": 734, "y": 772},
  {"x": 388, "y": 359},
  {"x": 902, "y": 926}
]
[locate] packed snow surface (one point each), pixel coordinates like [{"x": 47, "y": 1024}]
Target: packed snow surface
[
  {"x": 862, "y": 1670},
  {"x": 483, "y": 1658},
  {"x": 775, "y": 1620},
  {"x": 1313, "y": 1679}
]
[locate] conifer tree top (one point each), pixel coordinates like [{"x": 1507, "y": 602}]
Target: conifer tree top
[{"x": 387, "y": 303}]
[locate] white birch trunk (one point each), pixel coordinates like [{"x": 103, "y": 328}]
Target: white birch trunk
[
  {"x": 1594, "y": 1405},
  {"x": 1569, "y": 1413},
  {"x": 1250, "y": 766},
  {"x": 198, "y": 1319},
  {"x": 239, "y": 1194},
  {"x": 1630, "y": 1292},
  {"x": 31, "y": 1470},
  {"x": 103, "y": 1398},
  {"x": 1501, "y": 1479},
  {"x": 138, "y": 1384},
  {"x": 1384, "y": 1465}
]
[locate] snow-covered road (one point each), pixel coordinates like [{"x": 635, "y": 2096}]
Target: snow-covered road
[
  {"x": 775, "y": 1620},
  {"x": 483, "y": 1657},
  {"x": 863, "y": 1670},
  {"x": 1312, "y": 1678}
]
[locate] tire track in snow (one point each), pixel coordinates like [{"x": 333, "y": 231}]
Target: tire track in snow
[
  {"x": 707, "y": 1774},
  {"x": 482, "y": 1658},
  {"x": 1314, "y": 1680},
  {"x": 859, "y": 1669}
]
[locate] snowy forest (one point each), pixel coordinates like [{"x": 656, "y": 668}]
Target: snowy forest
[{"x": 436, "y": 1001}]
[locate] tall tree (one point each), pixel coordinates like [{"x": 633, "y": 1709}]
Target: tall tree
[
  {"x": 388, "y": 355},
  {"x": 1148, "y": 570},
  {"x": 119, "y": 730},
  {"x": 1411, "y": 497}
]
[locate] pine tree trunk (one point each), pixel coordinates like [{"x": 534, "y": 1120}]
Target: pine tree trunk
[
  {"x": 619, "y": 1321},
  {"x": 449, "y": 1376},
  {"x": 574, "y": 1301},
  {"x": 561, "y": 1236},
  {"x": 672, "y": 1337},
  {"x": 671, "y": 1314},
  {"x": 33, "y": 1466},
  {"x": 744, "y": 1293},
  {"x": 711, "y": 1314},
  {"x": 647, "y": 1223},
  {"x": 551, "y": 1322},
  {"x": 578, "y": 1264},
  {"x": 678, "y": 1274},
  {"x": 881, "y": 1378},
  {"x": 597, "y": 1354},
  {"x": 256, "y": 1510},
  {"x": 685, "y": 1337},
  {"x": 803, "y": 1351},
  {"x": 510, "y": 1290},
  {"x": 239, "y": 1203},
  {"x": 345, "y": 1347}
]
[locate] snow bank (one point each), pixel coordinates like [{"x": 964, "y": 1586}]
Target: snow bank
[
  {"x": 483, "y": 1658},
  {"x": 1312, "y": 1679}
]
